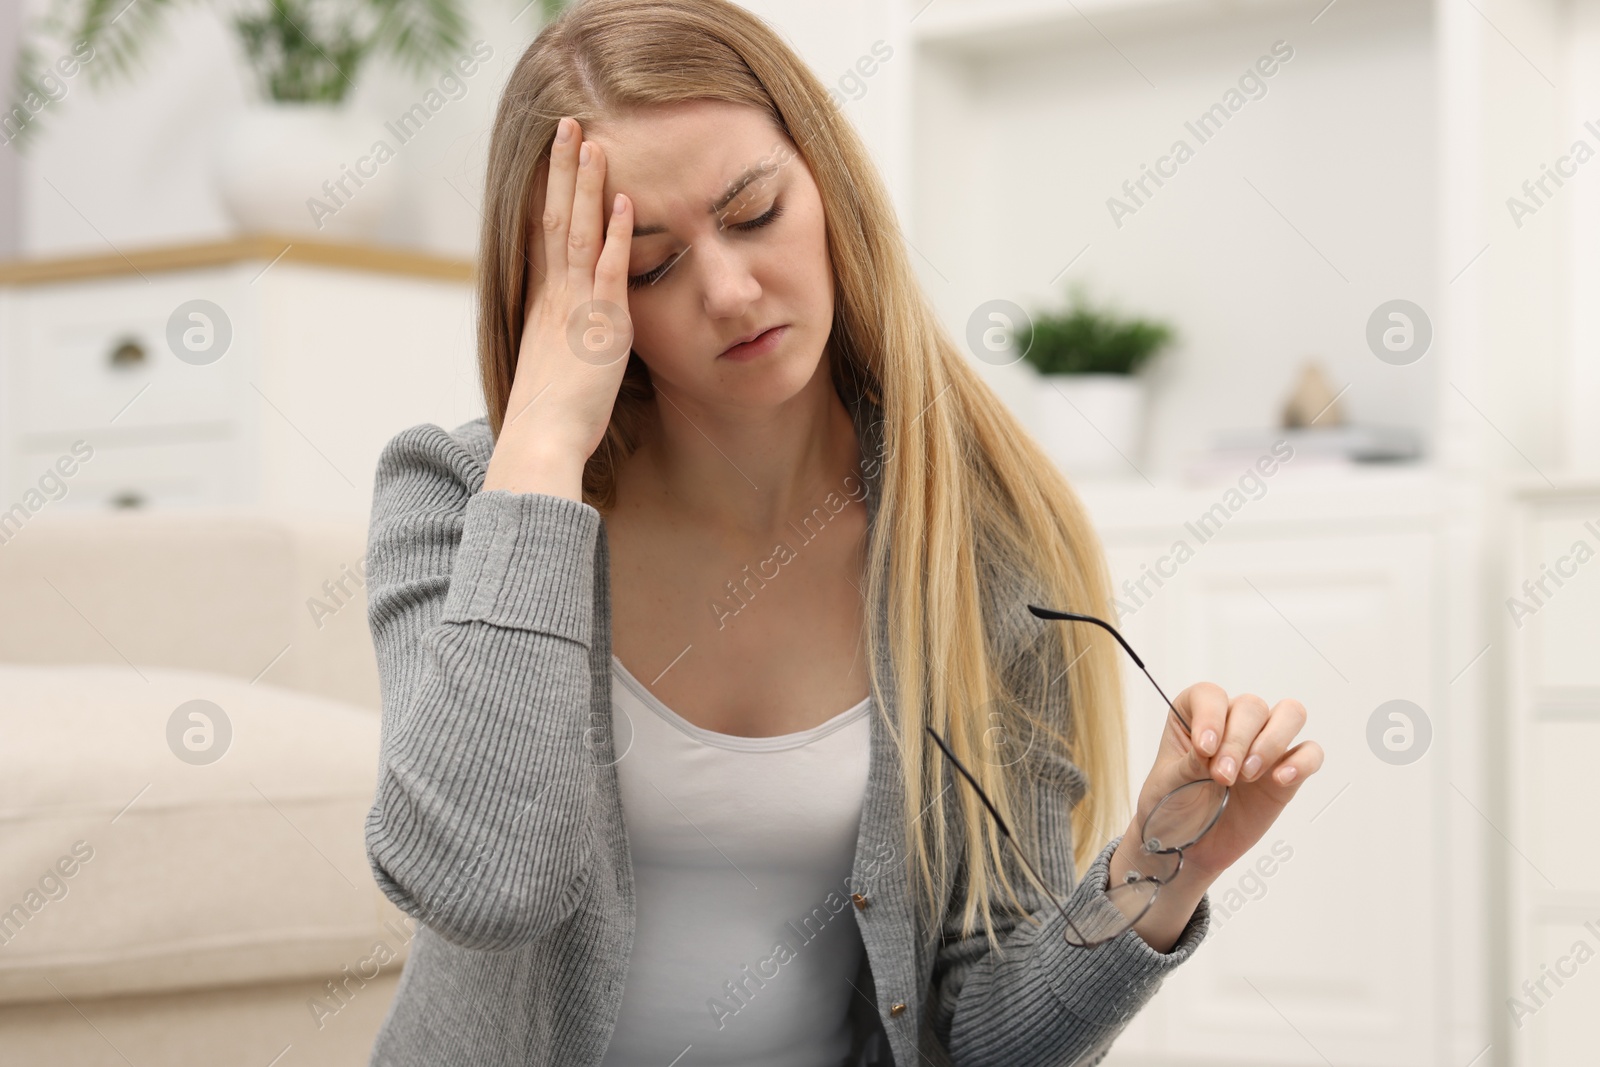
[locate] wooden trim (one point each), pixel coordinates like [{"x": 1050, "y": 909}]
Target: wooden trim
[
  {"x": 264, "y": 247},
  {"x": 1563, "y": 485}
]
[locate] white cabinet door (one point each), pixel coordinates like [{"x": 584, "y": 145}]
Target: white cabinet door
[
  {"x": 350, "y": 360},
  {"x": 98, "y": 356},
  {"x": 322, "y": 366},
  {"x": 1551, "y": 991},
  {"x": 1323, "y": 946},
  {"x": 96, "y": 364}
]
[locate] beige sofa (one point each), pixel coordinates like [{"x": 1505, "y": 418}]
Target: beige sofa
[{"x": 188, "y": 746}]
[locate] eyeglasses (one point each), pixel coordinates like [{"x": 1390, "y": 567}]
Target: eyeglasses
[{"x": 1175, "y": 823}]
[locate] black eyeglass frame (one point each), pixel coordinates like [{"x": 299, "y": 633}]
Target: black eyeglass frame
[{"x": 1134, "y": 877}]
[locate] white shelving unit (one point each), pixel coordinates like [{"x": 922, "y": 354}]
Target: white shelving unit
[
  {"x": 305, "y": 363},
  {"x": 1377, "y": 165},
  {"x": 1550, "y": 735},
  {"x": 1316, "y": 589}
]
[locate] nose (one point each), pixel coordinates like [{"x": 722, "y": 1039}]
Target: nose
[{"x": 730, "y": 287}]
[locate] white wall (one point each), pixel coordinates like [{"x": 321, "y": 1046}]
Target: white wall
[
  {"x": 1579, "y": 388},
  {"x": 1001, "y": 167},
  {"x": 1014, "y": 175},
  {"x": 10, "y": 171},
  {"x": 131, "y": 160}
]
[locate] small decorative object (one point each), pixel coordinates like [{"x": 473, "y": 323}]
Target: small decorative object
[
  {"x": 1314, "y": 432},
  {"x": 1313, "y": 401},
  {"x": 1091, "y": 401},
  {"x": 305, "y": 55}
]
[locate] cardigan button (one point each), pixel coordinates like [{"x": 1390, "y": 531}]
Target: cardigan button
[
  {"x": 861, "y": 901},
  {"x": 896, "y": 1008}
]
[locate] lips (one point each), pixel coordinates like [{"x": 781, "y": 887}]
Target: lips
[{"x": 747, "y": 338}]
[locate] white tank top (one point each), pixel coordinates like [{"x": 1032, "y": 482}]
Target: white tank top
[{"x": 742, "y": 847}]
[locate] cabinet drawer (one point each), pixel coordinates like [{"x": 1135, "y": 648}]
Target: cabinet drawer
[
  {"x": 1554, "y": 602},
  {"x": 1561, "y": 807},
  {"x": 204, "y": 471},
  {"x": 1553, "y": 1012},
  {"x": 85, "y": 354}
]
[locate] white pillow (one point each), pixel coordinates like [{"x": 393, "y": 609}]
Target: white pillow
[{"x": 132, "y": 861}]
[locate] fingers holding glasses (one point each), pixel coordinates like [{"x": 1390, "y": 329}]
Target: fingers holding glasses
[
  {"x": 1287, "y": 719},
  {"x": 1298, "y": 764},
  {"x": 1205, "y": 706},
  {"x": 1246, "y": 716}
]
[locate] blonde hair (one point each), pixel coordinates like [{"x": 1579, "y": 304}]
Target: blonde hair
[{"x": 960, "y": 474}]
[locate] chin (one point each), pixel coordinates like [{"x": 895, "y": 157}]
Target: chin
[
  {"x": 767, "y": 383},
  {"x": 787, "y": 371}
]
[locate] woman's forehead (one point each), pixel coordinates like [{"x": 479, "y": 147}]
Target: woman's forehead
[{"x": 662, "y": 168}]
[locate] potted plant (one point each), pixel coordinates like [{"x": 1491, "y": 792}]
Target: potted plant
[
  {"x": 1091, "y": 400},
  {"x": 300, "y": 131}
]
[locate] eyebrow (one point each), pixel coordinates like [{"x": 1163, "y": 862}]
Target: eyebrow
[{"x": 750, "y": 174}]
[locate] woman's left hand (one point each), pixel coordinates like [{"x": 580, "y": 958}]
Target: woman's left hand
[{"x": 1244, "y": 745}]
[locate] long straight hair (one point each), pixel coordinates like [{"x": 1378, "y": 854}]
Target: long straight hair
[{"x": 973, "y": 519}]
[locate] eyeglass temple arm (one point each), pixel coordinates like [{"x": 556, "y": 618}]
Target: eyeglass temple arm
[
  {"x": 1051, "y": 613},
  {"x": 1004, "y": 829}
]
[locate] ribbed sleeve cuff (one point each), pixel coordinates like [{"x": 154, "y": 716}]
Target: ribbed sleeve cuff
[
  {"x": 1080, "y": 977},
  {"x": 525, "y": 560}
]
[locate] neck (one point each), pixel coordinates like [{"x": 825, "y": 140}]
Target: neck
[{"x": 745, "y": 472}]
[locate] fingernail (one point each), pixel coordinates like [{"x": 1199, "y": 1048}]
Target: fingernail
[
  {"x": 1285, "y": 776},
  {"x": 1208, "y": 742},
  {"x": 583, "y": 155},
  {"x": 563, "y": 132},
  {"x": 1252, "y": 767},
  {"x": 1225, "y": 767},
  {"x": 616, "y": 204}
]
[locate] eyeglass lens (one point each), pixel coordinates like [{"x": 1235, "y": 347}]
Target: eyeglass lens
[
  {"x": 1177, "y": 821},
  {"x": 1183, "y": 815}
]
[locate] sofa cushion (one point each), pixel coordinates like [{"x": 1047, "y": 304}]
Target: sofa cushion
[
  {"x": 279, "y": 598},
  {"x": 143, "y": 849}
]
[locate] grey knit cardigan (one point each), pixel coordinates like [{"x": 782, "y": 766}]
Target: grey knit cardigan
[{"x": 497, "y": 824}]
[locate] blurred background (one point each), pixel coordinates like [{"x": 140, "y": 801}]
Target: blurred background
[{"x": 1294, "y": 291}]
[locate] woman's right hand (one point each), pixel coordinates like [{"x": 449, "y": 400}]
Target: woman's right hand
[{"x": 576, "y": 331}]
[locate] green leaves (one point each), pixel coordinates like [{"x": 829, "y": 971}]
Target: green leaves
[
  {"x": 302, "y": 50},
  {"x": 115, "y": 29},
  {"x": 1088, "y": 341},
  {"x": 419, "y": 34},
  {"x": 295, "y": 58},
  {"x": 100, "y": 36}
]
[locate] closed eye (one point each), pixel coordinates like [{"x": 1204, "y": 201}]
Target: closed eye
[{"x": 651, "y": 277}]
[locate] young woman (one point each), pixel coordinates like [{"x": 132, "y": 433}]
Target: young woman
[{"x": 662, "y": 636}]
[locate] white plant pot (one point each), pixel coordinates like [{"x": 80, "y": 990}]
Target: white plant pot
[
  {"x": 1092, "y": 425},
  {"x": 293, "y": 167}
]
